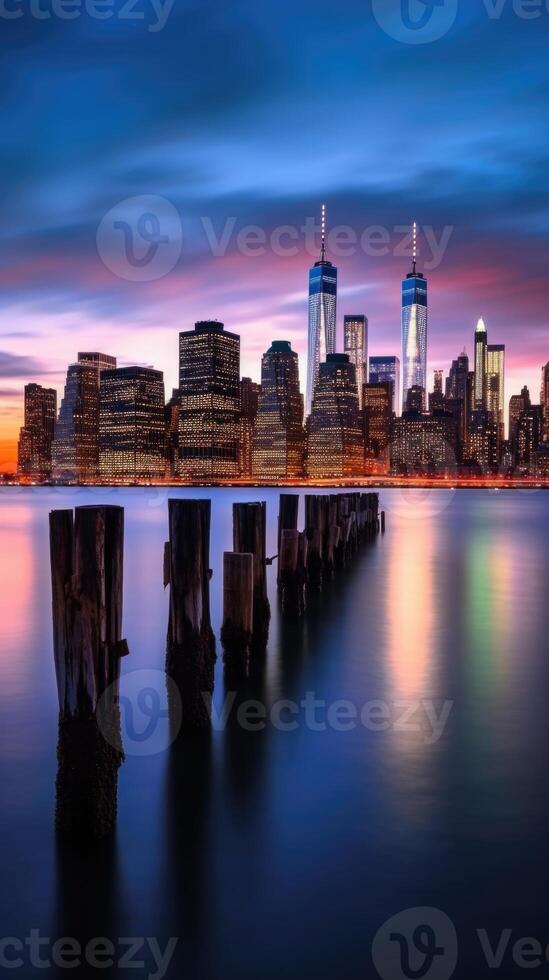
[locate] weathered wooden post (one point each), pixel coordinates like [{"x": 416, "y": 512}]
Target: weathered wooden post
[
  {"x": 287, "y": 517},
  {"x": 383, "y": 522},
  {"x": 238, "y": 598},
  {"x": 86, "y": 555},
  {"x": 249, "y": 537},
  {"x": 292, "y": 565},
  {"x": 302, "y": 565},
  {"x": 340, "y": 551},
  {"x": 314, "y": 521},
  {"x": 331, "y": 551},
  {"x": 190, "y": 656}
]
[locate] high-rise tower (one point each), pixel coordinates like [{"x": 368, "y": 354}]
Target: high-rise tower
[
  {"x": 414, "y": 329},
  {"x": 209, "y": 387},
  {"x": 545, "y": 400},
  {"x": 278, "y": 434},
  {"x": 336, "y": 440},
  {"x": 322, "y": 315},
  {"x": 35, "y": 438},
  {"x": 481, "y": 344},
  {"x": 495, "y": 385},
  {"x": 385, "y": 369},
  {"x": 355, "y": 344}
]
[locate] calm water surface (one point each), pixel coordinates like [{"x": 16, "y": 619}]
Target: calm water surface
[{"x": 280, "y": 853}]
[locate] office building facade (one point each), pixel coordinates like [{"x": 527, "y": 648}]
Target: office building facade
[
  {"x": 132, "y": 438},
  {"x": 35, "y": 437},
  {"x": 278, "y": 431},
  {"x": 335, "y": 439},
  {"x": 383, "y": 370},
  {"x": 355, "y": 345},
  {"x": 209, "y": 386}
]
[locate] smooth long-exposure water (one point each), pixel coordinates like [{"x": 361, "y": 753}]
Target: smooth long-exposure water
[{"x": 280, "y": 852}]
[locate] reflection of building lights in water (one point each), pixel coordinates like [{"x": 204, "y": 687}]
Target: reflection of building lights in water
[
  {"x": 490, "y": 568},
  {"x": 411, "y": 609},
  {"x": 18, "y": 590}
]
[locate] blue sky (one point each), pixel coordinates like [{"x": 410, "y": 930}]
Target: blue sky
[{"x": 257, "y": 113}]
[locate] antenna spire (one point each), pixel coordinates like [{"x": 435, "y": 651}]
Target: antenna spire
[
  {"x": 323, "y": 232},
  {"x": 414, "y": 249}
]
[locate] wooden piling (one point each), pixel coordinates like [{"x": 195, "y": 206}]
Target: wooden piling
[
  {"x": 383, "y": 522},
  {"x": 86, "y": 555},
  {"x": 314, "y": 531},
  {"x": 287, "y": 517},
  {"x": 293, "y": 565},
  {"x": 332, "y": 549},
  {"x": 249, "y": 537},
  {"x": 238, "y": 595},
  {"x": 190, "y": 656}
]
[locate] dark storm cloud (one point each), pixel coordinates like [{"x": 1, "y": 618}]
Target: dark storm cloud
[{"x": 19, "y": 366}]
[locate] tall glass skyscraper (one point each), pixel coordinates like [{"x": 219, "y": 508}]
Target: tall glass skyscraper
[
  {"x": 355, "y": 345},
  {"x": 322, "y": 315},
  {"x": 414, "y": 331},
  {"x": 481, "y": 343},
  {"x": 544, "y": 399},
  {"x": 495, "y": 385}
]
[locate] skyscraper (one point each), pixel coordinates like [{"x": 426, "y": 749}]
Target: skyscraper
[
  {"x": 458, "y": 396},
  {"x": 75, "y": 447},
  {"x": 322, "y": 315},
  {"x": 355, "y": 341},
  {"x": 482, "y": 448},
  {"x": 414, "y": 329},
  {"x": 131, "y": 424},
  {"x": 481, "y": 344},
  {"x": 103, "y": 362},
  {"x": 436, "y": 396},
  {"x": 172, "y": 412},
  {"x": 209, "y": 385},
  {"x": 377, "y": 415},
  {"x": 529, "y": 430},
  {"x": 249, "y": 401},
  {"x": 495, "y": 385},
  {"x": 544, "y": 399},
  {"x": 383, "y": 369},
  {"x": 35, "y": 438},
  {"x": 278, "y": 432},
  {"x": 335, "y": 445},
  {"x": 518, "y": 404}
]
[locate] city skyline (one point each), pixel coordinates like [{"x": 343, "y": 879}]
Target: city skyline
[{"x": 515, "y": 378}]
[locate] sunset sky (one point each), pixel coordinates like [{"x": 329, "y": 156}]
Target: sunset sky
[{"x": 255, "y": 114}]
